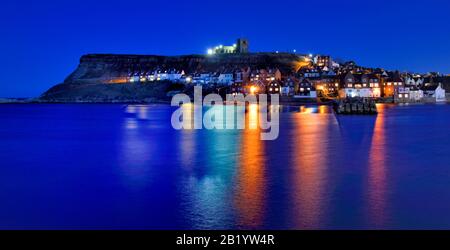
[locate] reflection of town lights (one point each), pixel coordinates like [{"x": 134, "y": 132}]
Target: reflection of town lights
[
  {"x": 305, "y": 110},
  {"x": 253, "y": 116}
]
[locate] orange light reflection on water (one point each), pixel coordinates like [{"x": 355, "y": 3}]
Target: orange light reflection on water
[
  {"x": 251, "y": 180},
  {"x": 309, "y": 162},
  {"x": 377, "y": 172}
]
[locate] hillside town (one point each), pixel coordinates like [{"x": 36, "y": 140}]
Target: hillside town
[{"x": 317, "y": 77}]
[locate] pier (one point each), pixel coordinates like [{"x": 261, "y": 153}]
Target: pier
[{"x": 355, "y": 106}]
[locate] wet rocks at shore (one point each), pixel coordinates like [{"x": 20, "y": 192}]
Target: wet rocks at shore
[{"x": 363, "y": 106}]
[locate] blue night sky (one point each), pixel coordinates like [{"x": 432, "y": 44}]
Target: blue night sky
[{"x": 41, "y": 41}]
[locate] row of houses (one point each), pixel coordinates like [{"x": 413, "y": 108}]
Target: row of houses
[
  {"x": 321, "y": 78},
  {"x": 350, "y": 80},
  {"x": 225, "y": 77}
]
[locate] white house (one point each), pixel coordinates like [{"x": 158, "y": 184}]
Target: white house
[
  {"x": 202, "y": 78},
  {"x": 134, "y": 77},
  {"x": 175, "y": 75},
  {"x": 415, "y": 94},
  {"x": 402, "y": 94},
  {"x": 435, "y": 91},
  {"x": 413, "y": 80},
  {"x": 161, "y": 75},
  {"x": 225, "y": 78},
  {"x": 359, "y": 92},
  {"x": 439, "y": 94}
]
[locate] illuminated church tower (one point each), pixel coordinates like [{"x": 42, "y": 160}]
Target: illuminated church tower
[{"x": 242, "y": 45}]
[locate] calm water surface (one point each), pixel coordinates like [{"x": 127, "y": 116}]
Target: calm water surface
[{"x": 124, "y": 167}]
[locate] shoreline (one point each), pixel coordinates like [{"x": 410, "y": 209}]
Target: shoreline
[{"x": 131, "y": 102}]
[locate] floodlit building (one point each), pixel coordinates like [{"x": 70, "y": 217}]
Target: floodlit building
[
  {"x": 356, "y": 85},
  {"x": 240, "y": 47}
]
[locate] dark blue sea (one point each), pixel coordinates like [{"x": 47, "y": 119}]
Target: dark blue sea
[{"x": 105, "y": 166}]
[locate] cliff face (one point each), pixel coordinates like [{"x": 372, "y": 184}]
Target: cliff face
[
  {"x": 100, "y": 67},
  {"x": 87, "y": 82}
]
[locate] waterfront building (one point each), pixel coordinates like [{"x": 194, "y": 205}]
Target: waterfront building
[
  {"x": 392, "y": 84},
  {"x": 402, "y": 95},
  {"x": 143, "y": 76},
  {"x": 435, "y": 93},
  {"x": 415, "y": 94},
  {"x": 202, "y": 78},
  {"x": 133, "y": 77},
  {"x": 288, "y": 87},
  {"x": 274, "y": 87},
  {"x": 225, "y": 78},
  {"x": 372, "y": 82},
  {"x": 287, "y": 90},
  {"x": 175, "y": 75},
  {"x": 327, "y": 85},
  {"x": 306, "y": 89},
  {"x": 359, "y": 85}
]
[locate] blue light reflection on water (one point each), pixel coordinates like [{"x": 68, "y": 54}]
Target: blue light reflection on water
[{"x": 116, "y": 166}]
